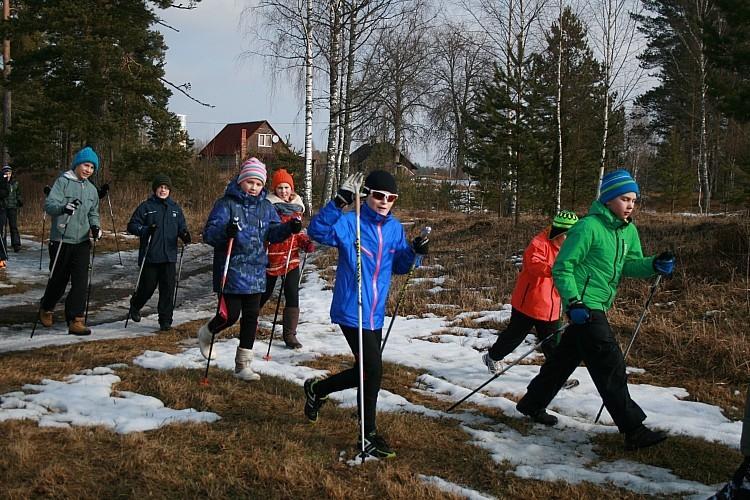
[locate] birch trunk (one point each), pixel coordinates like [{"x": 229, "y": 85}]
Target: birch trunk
[
  {"x": 334, "y": 103},
  {"x": 308, "y": 106}
]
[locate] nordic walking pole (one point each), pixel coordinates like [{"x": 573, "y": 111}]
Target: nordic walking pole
[
  {"x": 91, "y": 276},
  {"x": 230, "y": 244},
  {"x": 114, "y": 228},
  {"x": 361, "y": 356},
  {"x": 54, "y": 264},
  {"x": 635, "y": 332},
  {"x": 301, "y": 269},
  {"x": 267, "y": 357},
  {"x": 138, "y": 281},
  {"x": 417, "y": 262},
  {"x": 44, "y": 218},
  {"x": 525, "y": 355},
  {"x": 179, "y": 272}
]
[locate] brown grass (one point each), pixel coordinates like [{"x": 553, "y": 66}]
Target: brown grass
[{"x": 694, "y": 337}]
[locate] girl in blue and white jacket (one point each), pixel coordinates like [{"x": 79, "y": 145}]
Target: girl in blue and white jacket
[{"x": 244, "y": 216}]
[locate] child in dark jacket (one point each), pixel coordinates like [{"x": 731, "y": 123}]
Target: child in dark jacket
[
  {"x": 384, "y": 250},
  {"x": 602, "y": 248},
  {"x": 246, "y": 218},
  {"x": 158, "y": 221},
  {"x": 11, "y": 201},
  {"x": 73, "y": 205},
  {"x": 283, "y": 258},
  {"x": 535, "y": 301}
]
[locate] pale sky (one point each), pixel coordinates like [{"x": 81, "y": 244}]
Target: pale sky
[{"x": 206, "y": 52}]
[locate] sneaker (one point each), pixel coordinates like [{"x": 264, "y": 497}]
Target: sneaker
[
  {"x": 375, "y": 446},
  {"x": 313, "y": 402},
  {"x": 538, "y": 416},
  {"x": 738, "y": 486},
  {"x": 135, "y": 315},
  {"x": 643, "y": 437},
  {"x": 492, "y": 365}
]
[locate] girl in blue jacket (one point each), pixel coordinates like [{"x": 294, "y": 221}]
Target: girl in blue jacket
[
  {"x": 245, "y": 216},
  {"x": 384, "y": 251}
]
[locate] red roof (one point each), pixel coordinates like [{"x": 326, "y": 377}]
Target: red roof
[{"x": 228, "y": 141}]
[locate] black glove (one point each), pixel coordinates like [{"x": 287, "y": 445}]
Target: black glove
[
  {"x": 47, "y": 189},
  {"x": 664, "y": 263},
  {"x": 346, "y": 193},
  {"x": 103, "y": 190},
  {"x": 185, "y": 237},
  {"x": 421, "y": 245},
  {"x": 71, "y": 206},
  {"x": 152, "y": 229},
  {"x": 295, "y": 225},
  {"x": 232, "y": 229},
  {"x": 578, "y": 312},
  {"x": 96, "y": 233}
]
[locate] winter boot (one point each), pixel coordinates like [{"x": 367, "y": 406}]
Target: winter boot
[
  {"x": 492, "y": 365},
  {"x": 45, "y": 318},
  {"x": 313, "y": 402},
  {"x": 242, "y": 361},
  {"x": 291, "y": 318},
  {"x": 642, "y": 437},
  {"x": 375, "y": 446},
  {"x": 538, "y": 416},
  {"x": 204, "y": 341},
  {"x": 78, "y": 327},
  {"x": 135, "y": 314}
]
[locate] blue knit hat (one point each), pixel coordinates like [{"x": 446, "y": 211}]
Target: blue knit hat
[
  {"x": 85, "y": 155},
  {"x": 616, "y": 183}
]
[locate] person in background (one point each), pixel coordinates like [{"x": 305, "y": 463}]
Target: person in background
[
  {"x": 11, "y": 202},
  {"x": 384, "y": 250},
  {"x": 738, "y": 488},
  {"x": 245, "y": 217},
  {"x": 535, "y": 301},
  {"x": 599, "y": 250},
  {"x": 283, "y": 258},
  {"x": 158, "y": 221},
  {"x": 73, "y": 204}
]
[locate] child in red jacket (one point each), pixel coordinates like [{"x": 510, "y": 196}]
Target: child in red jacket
[
  {"x": 535, "y": 301},
  {"x": 283, "y": 258}
]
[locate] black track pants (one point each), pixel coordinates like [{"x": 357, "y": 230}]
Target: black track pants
[
  {"x": 291, "y": 288},
  {"x": 72, "y": 265},
  {"x": 248, "y": 305},
  {"x": 162, "y": 275}
]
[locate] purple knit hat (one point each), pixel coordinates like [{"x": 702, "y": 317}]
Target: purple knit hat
[{"x": 252, "y": 169}]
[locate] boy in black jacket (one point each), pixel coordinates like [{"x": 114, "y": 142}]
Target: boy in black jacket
[
  {"x": 158, "y": 221},
  {"x": 10, "y": 202}
]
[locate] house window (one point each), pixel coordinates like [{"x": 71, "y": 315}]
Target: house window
[{"x": 264, "y": 140}]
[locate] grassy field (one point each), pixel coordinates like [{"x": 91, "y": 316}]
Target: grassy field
[{"x": 695, "y": 337}]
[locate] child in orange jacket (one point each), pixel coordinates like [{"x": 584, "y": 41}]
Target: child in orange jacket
[
  {"x": 283, "y": 258},
  {"x": 535, "y": 301}
]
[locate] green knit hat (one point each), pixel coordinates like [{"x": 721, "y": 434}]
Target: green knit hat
[{"x": 564, "y": 220}]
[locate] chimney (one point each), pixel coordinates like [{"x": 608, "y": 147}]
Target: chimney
[{"x": 243, "y": 145}]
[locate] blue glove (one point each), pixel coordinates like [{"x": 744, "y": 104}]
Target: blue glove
[
  {"x": 664, "y": 263},
  {"x": 578, "y": 313}
]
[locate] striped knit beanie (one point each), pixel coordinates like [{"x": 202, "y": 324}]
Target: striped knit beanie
[
  {"x": 564, "y": 220},
  {"x": 616, "y": 183},
  {"x": 252, "y": 169}
]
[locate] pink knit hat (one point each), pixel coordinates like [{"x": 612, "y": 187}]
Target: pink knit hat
[{"x": 252, "y": 169}]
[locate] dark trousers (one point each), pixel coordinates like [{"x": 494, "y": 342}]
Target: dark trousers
[
  {"x": 249, "y": 306},
  {"x": 594, "y": 344},
  {"x": 518, "y": 327},
  {"x": 291, "y": 289},
  {"x": 373, "y": 372},
  {"x": 153, "y": 275},
  {"x": 15, "y": 238},
  {"x": 72, "y": 265},
  {"x": 745, "y": 439}
]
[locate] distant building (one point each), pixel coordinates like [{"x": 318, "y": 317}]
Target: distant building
[
  {"x": 380, "y": 155},
  {"x": 238, "y": 141}
]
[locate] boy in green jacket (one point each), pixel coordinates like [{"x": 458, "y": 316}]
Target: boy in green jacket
[
  {"x": 602, "y": 248},
  {"x": 73, "y": 204}
]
